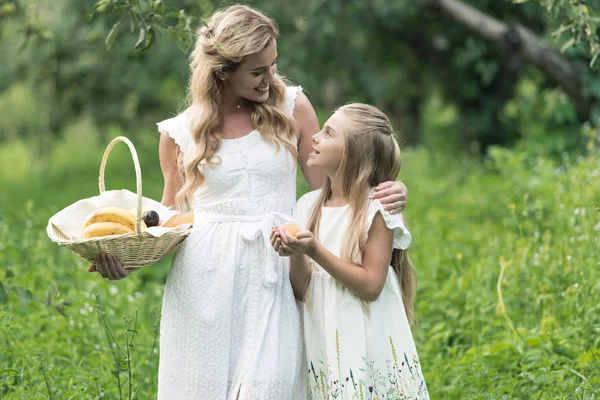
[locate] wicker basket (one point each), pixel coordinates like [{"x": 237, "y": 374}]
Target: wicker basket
[{"x": 136, "y": 249}]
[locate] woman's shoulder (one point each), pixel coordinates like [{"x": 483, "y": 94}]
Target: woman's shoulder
[
  {"x": 293, "y": 98},
  {"x": 178, "y": 128}
]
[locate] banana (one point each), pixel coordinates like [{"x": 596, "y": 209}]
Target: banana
[
  {"x": 112, "y": 214},
  {"x": 105, "y": 229},
  {"x": 134, "y": 211}
]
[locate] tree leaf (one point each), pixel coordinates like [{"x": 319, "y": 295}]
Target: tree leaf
[
  {"x": 159, "y": 7},
  {"x": 110, "y": 39},
  {"x": 150, "y": 40},
  {"x": 567, "y": 44},
  {"x": 182, "y": 42},
  {"x": 594, "y": 59},
  {"x": 141, "y": 38},
  {"x": 133, "y": 21},
  {"x": 98, "y": 4}
]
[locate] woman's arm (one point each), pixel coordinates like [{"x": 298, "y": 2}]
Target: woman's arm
[
  {"x": 308, "y": 125},
  {"x": 168, "y": 151}
]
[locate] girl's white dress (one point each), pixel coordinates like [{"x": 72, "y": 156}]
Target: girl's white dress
[
  {"x": 230, "y": 322},
  {"x": 356, "y": 349}
]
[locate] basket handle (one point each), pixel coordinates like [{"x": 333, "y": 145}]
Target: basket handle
[{"x": 138, "y": 177}]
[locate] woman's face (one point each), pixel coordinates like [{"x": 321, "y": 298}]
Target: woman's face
[{"x": 253, "y": 78}]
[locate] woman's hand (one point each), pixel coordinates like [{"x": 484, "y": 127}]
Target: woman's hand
[
  {"x": 392, "y": 195},
  {"x": 110, "y": 267}
]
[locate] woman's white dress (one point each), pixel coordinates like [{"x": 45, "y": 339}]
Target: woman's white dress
[
  {"x": 356, "y": 349},
  {"x": 230, "y": 323}
]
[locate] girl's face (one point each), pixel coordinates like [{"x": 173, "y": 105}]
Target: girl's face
[
  {"x": 252, "y": 79},
  {"x": 328, "y": 145}
]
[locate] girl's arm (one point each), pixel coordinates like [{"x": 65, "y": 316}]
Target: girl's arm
[
  {"x": 300, "y": 268},
  {"x": 365, "y": 281},
  {"x": 300, "y": 273}
]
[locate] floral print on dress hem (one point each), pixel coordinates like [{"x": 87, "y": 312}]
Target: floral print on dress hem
[{"x": 403, "y": 379}]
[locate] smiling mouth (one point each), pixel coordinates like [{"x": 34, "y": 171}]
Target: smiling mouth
[
  {"x": 314, "y": 153},
  {"x": 263, "y": 89}
]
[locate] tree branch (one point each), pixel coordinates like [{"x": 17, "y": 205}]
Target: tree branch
[{"x": 524, "y": 42}]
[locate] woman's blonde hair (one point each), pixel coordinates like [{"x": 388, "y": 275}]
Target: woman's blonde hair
[
  {"x": 371, "y": 155},
  {"x": 222, "y": 45}
]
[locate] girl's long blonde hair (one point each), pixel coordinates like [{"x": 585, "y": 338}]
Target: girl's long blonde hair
[
  {"x": 222, "y": 45},
  {"x": 371, "y": 155}
]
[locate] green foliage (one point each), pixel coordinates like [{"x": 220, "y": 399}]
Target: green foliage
[
  {"x": 578, "y": 24},
  {"x": 397, "y": 55},
  {"x": 507, "y": 251},
  {"x": 506, "y": 254},
  {"x": 146, "y": 17},
  {"x": 508, "y": 283},
  {"x": 49, "y": 82}
]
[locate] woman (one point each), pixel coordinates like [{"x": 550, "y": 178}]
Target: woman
[{"x": 230, "y": 326}]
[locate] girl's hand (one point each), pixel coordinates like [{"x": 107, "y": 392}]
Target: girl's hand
[
  {"x": 392, "y": 195},
  {"x": 303, "y": 243},
  {"x": 109, "y": 267},
  {"x": 276, "y": 242}
]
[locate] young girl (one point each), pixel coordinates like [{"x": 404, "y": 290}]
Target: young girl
[{"x": 358, "y": 304}]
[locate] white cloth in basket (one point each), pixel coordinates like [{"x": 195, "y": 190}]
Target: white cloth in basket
[{"x": 69, "y": 220}]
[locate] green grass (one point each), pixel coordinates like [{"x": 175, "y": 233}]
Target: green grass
[{"x": 507, "y": 253}]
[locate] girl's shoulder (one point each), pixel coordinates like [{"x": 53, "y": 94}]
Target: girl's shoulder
[
  {"x": 304, "y": 205},
  {"x": 307, "y": 200}
]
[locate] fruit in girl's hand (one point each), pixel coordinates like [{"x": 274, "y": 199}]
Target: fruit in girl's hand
[
  {"x": 105, "y": 229},
  {"x": 290, "y": 227},
  {"x": 111, "y": 214},
  {"x": 151, "y": 218},
  {"x": 179, "y": 219}
]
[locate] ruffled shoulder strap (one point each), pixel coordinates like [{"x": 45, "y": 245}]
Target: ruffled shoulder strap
[
  {"x": 304, "y": 207},
  {"x": 178, "y": 128},
  {"x": 395, "y": 222},
  {"x": 291, "y": 92}
]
